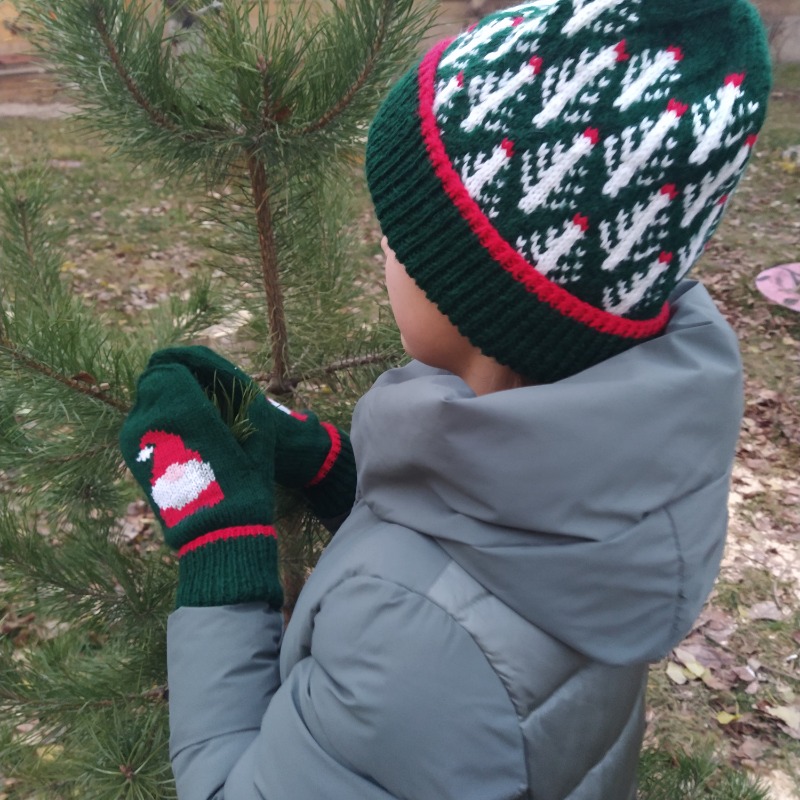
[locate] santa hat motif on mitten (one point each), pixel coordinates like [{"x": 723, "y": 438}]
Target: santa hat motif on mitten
[
  {"x": 181, "y": 481},
  {"x": 550, "y": 175}
]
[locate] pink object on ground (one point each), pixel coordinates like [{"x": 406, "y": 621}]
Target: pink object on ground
[{"x": 781, "y": 285}]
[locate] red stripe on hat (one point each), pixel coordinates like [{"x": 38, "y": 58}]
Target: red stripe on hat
[
  {"x": 498, "y": 248},
  {"x": 333, "y": 454},
  {"x": 224, "y": 534}
]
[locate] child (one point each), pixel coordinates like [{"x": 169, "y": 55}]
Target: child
[{"x": 541, "y": 501}]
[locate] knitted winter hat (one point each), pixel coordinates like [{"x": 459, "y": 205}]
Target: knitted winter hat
[{"x": 548, "y": 176}]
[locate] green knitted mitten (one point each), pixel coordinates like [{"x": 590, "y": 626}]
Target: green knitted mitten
[
  {"x": 317, "y": 458},
  {"x": 312, "y": 456},
  {"x": 212, "y": 495}
]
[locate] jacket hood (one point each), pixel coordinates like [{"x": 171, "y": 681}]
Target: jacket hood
[{"x": 596, "y": 506}]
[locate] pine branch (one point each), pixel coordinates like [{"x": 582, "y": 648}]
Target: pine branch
[
  {"x": 294, "y": 568},
  {"x": 26, "y": 231},
  {"x": 76, "y": 457},
  {"x": 155, "y": 695},
  {"x": 136, "y": 93},
  {"x": 355, "y": 361},
  {"x": 279, "y": 382},
  {"x": 272, "y": 113},
  {"x": 88, "y": 389},
  {"x": 3, "y": 317},
  {"x": 23, "y": 206},
  {"x": 276, "y": 314},
  {"x": 347, "y": 98},
  {"x": 342, "y": 365}
]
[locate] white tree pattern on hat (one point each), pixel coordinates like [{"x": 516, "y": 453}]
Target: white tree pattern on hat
[
  {"x": 624, "y": 163},
  {"x": 486, "y": 168},
  {"x": 587, "y": 12},
  {"x": 589, "y": 67},
  {"x": 549, "y": 255},
  {"x": 554, "y": 166},
  {"x": 646, "y": 71},
  {"x": 715, "y": 116},
  {"x": 547, "y": 135},
  {"x": 631, "y": 229},
  {"x": 628, "y": 298},
  {"x": 699, "y": 197},
  {"x": 508, "y": 87},
  {"x": 470, "y": 44},
  {"x": 692, "y": 251},
  {"x": 446, "y": 91},
  {"x": 522, "y": 28}
]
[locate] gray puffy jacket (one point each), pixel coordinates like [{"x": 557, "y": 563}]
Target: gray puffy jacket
[{"x": 479, "y": 627}]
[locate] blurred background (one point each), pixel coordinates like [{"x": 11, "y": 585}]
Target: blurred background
[{"x": 22, "y": 78}]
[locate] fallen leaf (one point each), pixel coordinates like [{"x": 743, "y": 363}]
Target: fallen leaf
[
  {"x": 725, "y": 718},
  {"x": 714, "y": 682},
  {"x": 49, "y": 752},
  {"x": 788, "y": 714},
  {"x": 709, "y": 656},
  {"x": 794, "y": 733},
  {"x": 688, "y": 660},
  {"x": 768, "y": 610},
  {"x": 751, "y": 748},
  {"x": 676, "y": 674}
]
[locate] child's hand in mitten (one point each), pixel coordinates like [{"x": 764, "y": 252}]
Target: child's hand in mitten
[
  {"x": 315, "y": 457},
  {"x": 212, "y": 495}
]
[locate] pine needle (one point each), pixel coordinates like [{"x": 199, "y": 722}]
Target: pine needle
[{"x": 234, "y": 406}]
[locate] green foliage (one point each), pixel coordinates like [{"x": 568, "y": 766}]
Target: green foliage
[
  {"x": 234, "y": 406},
  {"x": 681, "y": 776},
  {"x": 276, "y": 111},
  {"x": 57, "y": 424},
  {"x": 269, "y": 113},
  {"x": 83, "y": 700}
]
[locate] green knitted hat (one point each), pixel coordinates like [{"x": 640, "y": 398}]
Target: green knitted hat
[{"x": 549, "y": 176}]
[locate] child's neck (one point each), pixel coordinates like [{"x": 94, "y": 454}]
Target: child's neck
[{"x": 484, "y": 375}]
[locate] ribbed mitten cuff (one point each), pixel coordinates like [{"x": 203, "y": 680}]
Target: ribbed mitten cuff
[
  {"x": 333, "y": 491},
  {"x": 317, "y": 458},
  {"x": 231, "y": 565}
]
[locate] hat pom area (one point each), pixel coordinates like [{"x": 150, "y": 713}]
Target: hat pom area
[{"x": 550, "y": 175}]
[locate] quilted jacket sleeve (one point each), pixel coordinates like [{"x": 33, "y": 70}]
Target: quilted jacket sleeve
[{"x": 393, "y": 700}]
